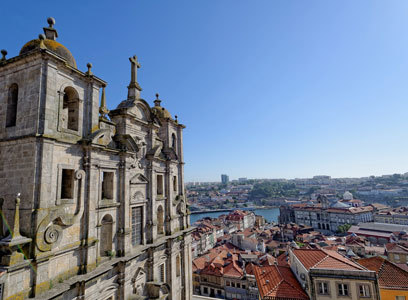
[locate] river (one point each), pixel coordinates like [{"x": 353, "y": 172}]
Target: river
[{"x": 270, "y": 214}]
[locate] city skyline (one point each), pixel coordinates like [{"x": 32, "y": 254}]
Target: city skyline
[
  {"x": 266, "y": 89},
  {"x": 243, "y": 179}
]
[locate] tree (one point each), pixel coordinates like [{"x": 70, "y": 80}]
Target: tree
[
  {"x": 343, "y": 228},
  {"x": 269, "y": 189}
]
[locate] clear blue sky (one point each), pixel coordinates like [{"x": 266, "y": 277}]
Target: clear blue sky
[{"x": 267, "y": 89}]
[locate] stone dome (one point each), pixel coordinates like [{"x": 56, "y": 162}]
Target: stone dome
[
  {"x": 53, "y": 46},
  {"x": 48, "y": 40},
  {"x": 160, "y": 111},
  {"x": 347, "y": 196}
]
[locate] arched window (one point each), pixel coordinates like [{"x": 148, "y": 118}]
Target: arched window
[
  {"x": 11, "y": 116},
  {"x": 106, "y": 236},
  {"x": 70, "y": 109},
  {"x": 160, "y": 220},
  {"x": 174, "y": 141}
]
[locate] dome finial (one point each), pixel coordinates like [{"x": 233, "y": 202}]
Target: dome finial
[
  {"x": 4, "y": 53},
  {"x": 157, "y": 101},
  {"x": 50, "y": 31},
  {"x": 51, "y": 22}
]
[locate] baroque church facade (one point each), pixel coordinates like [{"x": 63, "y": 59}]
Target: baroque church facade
[{"x": 92, "y": 201}]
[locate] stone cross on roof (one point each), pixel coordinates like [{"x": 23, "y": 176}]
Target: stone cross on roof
[
  {"x": 135, "y": 66},
  {"x": 134, "y": 87}
]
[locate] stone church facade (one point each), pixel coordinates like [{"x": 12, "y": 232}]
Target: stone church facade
[{"x": 92, "y": 201}]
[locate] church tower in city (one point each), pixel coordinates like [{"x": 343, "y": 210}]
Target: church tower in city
[{"x": 92, "y": 201}]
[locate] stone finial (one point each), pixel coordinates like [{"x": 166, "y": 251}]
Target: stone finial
[
  {"x": 3, "y": 53},
  {"x": 41, "y": 37},
  {"x": 157, "y": 101},
  {"x": 103, "y": 110},
  {"x": 89, "y": 72},
  {"x": 50, "y": 32},
  {"x": 175, "y": 117},
  {"x": 16, "y": 229},
  {"x": 134, "y": 88},
  {"x": 12, "y": 244},
  {"x": 51, "y": 22}
]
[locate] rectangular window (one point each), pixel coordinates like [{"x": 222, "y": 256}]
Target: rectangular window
[
  {"x": 342, "y": 289},
  {"x": 137, "y": 225},
  {"x": 67, "y": 184},
  {"x": 11, "y": 113},
  {"x": 364, "y": 290},
  {"x": 238, "y": 285},
  {"x": 232, "y": 283},
  {"x": 160, "y": 185},
  {"x": 400, "y": 298},
  {"x": 396, "y": 257},
  {"x": 205, "y": 290},
  {"x": 323, "y": 288},
  {"x": 178, "y": 266},
  {"x": 162, "y": 273},
  {"x": 244, "y": 286},
  {"x": 227, "y": 283},
  {"x": 107, "y": 185},
  {"x": 175, "y": 183}
]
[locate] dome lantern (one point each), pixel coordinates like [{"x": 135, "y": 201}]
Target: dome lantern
[
  {"x": 50, "y": 32},
  {"x": 50, "y": 43}
]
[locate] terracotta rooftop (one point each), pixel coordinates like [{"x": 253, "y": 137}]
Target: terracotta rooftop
[
  {"x": 390, "y": 276},
  {"x": 233, "y": 270},
  {"x": 325, "y": 259},
  {"x": 277, "y": 282},
  {"x": 395, "y": 248},
  {"x": 282, "y": 260},
  {"x": 267, "y": 260}
]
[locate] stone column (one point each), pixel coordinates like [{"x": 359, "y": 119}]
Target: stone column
[
  {"x": 124, "y": 211},
  {"x": 150, "y": 207},
  {"x": 92, "y": 200},
  {"x": 188, "y": 270},
  {"x": 1, "y": 218},
  {"x": 168, "y": 202}
]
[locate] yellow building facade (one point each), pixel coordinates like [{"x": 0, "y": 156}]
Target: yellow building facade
[{"x": 393, "y": 280}]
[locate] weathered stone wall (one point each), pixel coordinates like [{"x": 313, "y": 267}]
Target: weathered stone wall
[
  {"x": 78, "y": 186},
  {"x": 26, "y": 74},
  {"x": 17, "y": 175}
]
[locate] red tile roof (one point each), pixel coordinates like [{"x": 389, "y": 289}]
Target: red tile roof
[
  {"x": 233, "y": 270},
  {"x": 395, "y": 248},
  {"x": 325, "y": 259},
  {"x": 282, "y": 260},
  {"x": 390, "y": 276},
  {"x": 278, "y": 282},
  {"x": 267, "y": 260}
]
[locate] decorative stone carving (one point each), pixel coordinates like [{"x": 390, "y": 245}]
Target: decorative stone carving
[
  {"x": 157, "y": 290},
  {"x": 10, "y": 245},
  {"x": 50, "y": 230},
  {"x": 53, "y": 234}
]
